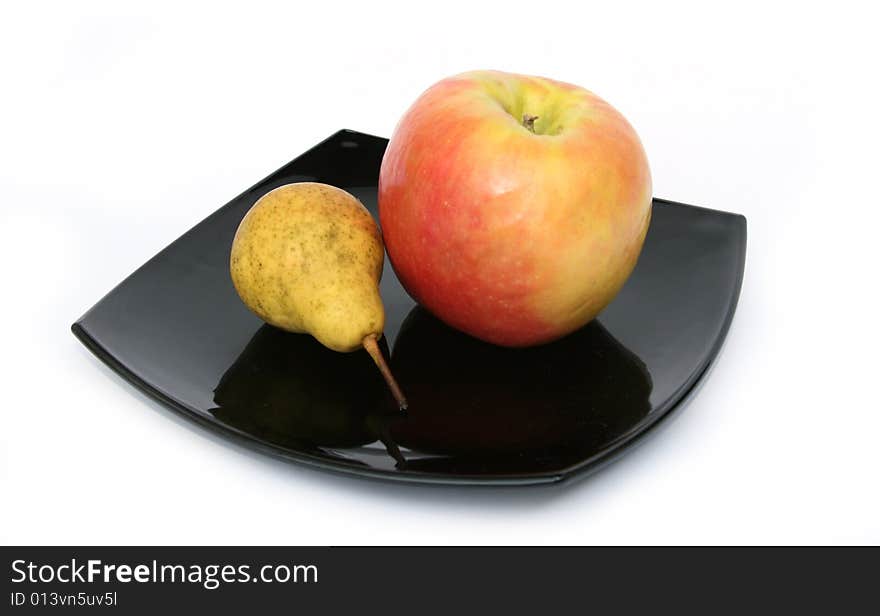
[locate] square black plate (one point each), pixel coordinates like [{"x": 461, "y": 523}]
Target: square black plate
[{"x": 479, "y": 414}]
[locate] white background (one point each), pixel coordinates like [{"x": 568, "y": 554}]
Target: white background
[{"x": 120, "y": 128}]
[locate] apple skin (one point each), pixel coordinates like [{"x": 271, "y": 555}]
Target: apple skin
[{"x": 512, "y": 235}]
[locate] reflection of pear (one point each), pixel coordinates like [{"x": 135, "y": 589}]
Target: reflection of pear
[
  {"x": 307, "y": 258},
  {"x": 491, "y": 408},
  {"x": 291, "y": 391}
]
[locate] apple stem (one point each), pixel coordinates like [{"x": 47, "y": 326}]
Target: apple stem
[
  {"x": 529, "y": 121},
  {"x": 372, "y": 348}
]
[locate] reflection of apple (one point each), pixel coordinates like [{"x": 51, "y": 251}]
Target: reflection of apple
[
  {"x": 291, "y": 391},
  {"x": 513, "y": 208},
  {"x": 489, "y": 406}
]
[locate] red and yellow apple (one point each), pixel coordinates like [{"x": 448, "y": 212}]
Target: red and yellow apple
[{"x": 512, "y": 207}]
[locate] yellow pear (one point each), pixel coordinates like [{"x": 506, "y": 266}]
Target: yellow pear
[{"x": 307, "y": 258}]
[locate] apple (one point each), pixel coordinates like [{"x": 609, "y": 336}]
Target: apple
[{"x": 512, "y": 207}]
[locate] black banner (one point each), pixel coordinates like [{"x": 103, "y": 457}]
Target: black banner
[{"x": 142, "y": 580}]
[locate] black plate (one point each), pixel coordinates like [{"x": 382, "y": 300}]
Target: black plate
[{"x": 479, "y": 414}]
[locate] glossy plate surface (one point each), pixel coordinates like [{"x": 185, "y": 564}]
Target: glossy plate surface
[{"x": 479, "y": 414}]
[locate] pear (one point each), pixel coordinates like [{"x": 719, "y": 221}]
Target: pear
[{"x": 307, "y": 258}]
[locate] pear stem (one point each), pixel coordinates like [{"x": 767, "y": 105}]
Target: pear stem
[{"x": 372, "y": 348}]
